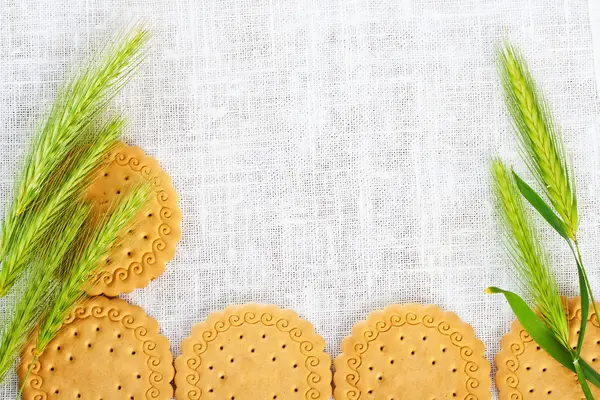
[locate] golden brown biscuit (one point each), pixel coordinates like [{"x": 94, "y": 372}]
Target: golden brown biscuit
[
  {"x": 253, "y": 352},
  {"x": 527, "y": 372},
  {"x": 106, "y": 349},
  {"x": 142, "y": 254},
  {"x": 412, "y": 352}
]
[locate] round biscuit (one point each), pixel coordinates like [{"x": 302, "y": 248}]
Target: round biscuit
[
  {"x": 412, "y": 352},
  {"x": 253, "y": 352},
  {"x": 106, "y": 349},
  {"x": 527, "y": 372},
  {"x": 146, "y": 248}
]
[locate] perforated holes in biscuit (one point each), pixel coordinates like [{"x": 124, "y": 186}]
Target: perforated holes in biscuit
[
  {"x": 254, "y": 348},
  {"x": 543, "y": 370},
  {"x": 380, "y": 377}
]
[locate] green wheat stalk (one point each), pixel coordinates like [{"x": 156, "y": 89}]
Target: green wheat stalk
[
  {"x": 542, "y": 148},
  {"x": 87, "y": 268},
  {"x": 543, "y": 152},
  {"x": 529, "y": 258},
  {"x": 77, "y": 106},
  {"x": 64, "y": 189},
  {"x": 39, "y": 291}
]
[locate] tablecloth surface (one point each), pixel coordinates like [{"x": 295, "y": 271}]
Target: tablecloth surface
[{"x": 331, "y": 156}]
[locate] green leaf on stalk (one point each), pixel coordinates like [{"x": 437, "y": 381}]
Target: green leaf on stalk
[
  {"x": 534, "y": 326},
  {"x": 585, "y": 307},
  {"x": 544, "y": 336},
  {"x": 540, "y": 205},
  {"x": 590, "y": 373},
  {"x": 583, "y": 382}
]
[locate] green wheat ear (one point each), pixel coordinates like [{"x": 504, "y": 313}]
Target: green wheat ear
[
  {"x": 539, "y": 137},
  {"x": 543, "y": 152},
  {"x": 65, "y": 187},
  {"x": 77, "y": 107},
  {"x": 86, "y": 268},
  {"x": 529, "y": 259},
  {"x": 40, "y": 288}
]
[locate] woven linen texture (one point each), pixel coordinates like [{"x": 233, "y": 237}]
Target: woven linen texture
[{"x": 331, "y": 156}]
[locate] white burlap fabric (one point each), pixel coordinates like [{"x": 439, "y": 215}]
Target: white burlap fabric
[{"x": 331, "y": 156}]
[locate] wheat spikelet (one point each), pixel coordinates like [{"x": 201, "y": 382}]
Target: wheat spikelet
[
  {"x": 40, "y": 288},
  {"x": 77, "y": 106},
  {"x": 529, "y": 259},
  {"x": 539, "y": 137},
  {"x": 85, "y": 268},
  {"x": 21, "y": 241}
]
